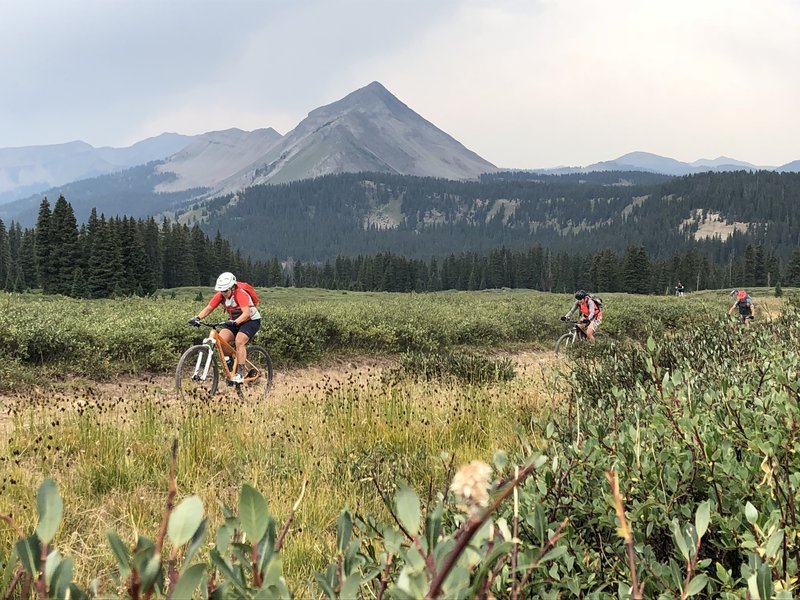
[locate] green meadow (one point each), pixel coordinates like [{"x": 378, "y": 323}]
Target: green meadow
[{"x": 672, "y": 398}]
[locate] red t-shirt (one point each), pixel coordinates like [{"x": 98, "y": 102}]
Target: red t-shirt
[{"x": 234, "y": 304}]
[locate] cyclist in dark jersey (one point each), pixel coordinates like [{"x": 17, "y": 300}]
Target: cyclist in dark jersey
[{"x": 747, "y": 310}]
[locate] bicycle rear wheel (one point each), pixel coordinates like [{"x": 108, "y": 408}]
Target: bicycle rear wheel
[
  {"x": 197, "y": 375},
  {"x": 564, "y": 342},
  {"x": 258, "y": 374}
]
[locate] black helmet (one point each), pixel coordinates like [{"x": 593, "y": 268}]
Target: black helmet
[{"x": 580, "y": 295}]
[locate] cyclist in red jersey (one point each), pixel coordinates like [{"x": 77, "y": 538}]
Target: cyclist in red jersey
[
  {"x": 591, "y": 315},
  {"x": 244, "y": 319}
]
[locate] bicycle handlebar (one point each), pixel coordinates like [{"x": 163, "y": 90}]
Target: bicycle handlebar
[{"x": 214, "y": 325}]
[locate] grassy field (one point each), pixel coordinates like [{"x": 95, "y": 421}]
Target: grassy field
[
  {"x": 109, "y": 454},
  {"x": 106, "y": 443},
  {"x": 105, "y": 338}
]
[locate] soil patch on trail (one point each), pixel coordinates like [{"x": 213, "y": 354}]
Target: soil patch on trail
[{"x": 77, "y": 394}]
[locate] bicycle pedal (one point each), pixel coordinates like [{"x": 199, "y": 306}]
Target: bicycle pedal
[{"x": 252, "y": 373}]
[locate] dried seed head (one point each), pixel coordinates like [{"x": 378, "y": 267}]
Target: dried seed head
[{"x": 471, "y": 487}]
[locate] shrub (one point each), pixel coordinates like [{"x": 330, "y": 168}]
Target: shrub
[{"x": 469, "y": 368}]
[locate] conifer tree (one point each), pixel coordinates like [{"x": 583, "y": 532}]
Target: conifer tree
[
  {"x": 44, "y": 249},
  {"x": 792, "y": 277},
  {"x": 750, "y": 266},
  {"x": 79, "y": 287},
  {"x": 26, "y": 260},
  {"x": 275, "y": 273},
  {"x": 105, "y": 264},
  {"x": 636, "y": 271},
  {"x": 135, "y": 264},
  {"x": 180, "y": 264},
  {"x": 205, "y": 268},
  {"x": 604, "y": 272},
  {"x": 64, "y": 247},
  {"x": 434, "y": 280},
  {"x": 153, "y": 245},
  {"x": 6, "y": 271},
  {"x": 565, "y": 279}
]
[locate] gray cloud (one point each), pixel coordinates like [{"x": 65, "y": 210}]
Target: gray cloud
[{"x": 523, "y": 83}]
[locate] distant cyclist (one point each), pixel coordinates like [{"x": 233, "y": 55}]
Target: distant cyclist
[
  {"x": 244, "y": 318},
  {"x": 679, "y": 289},
  {"x": 747, "y": 310},
  {"x": 591, "y": 315}
]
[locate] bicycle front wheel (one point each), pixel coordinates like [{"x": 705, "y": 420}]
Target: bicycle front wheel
[
  {"x": 197, "y": 375},
  {"x": 564, "y": 342},
  {"x": 258, "y": 374}
]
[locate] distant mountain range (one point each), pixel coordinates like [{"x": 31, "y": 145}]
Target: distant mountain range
[
  {"x": 34, "y": 169},
  {"x": 653, "y": 163},
  {"x": 369, "y": 130}
]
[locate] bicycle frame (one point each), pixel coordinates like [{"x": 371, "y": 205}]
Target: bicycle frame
[
  {"x": 572, "y": 336},
  {"x": 217, "y": 344},
  {"x": 577, "y": 332}
]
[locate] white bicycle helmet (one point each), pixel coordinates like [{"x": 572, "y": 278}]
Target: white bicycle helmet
[{"x": 225, "y": 282}]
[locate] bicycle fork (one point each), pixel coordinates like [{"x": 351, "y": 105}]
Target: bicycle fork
[{"x": 203, "y": 363}]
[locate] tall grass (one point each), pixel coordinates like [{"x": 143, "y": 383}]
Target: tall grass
[{"x": 109, "y": 454}]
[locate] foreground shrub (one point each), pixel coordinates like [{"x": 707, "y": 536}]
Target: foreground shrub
[{"x": 704, "y": 419}]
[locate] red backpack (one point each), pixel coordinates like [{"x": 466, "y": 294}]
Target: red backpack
[{"x": 250, "y": 291}]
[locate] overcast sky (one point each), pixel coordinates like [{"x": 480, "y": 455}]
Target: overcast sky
[{"x": 524, "y": 83}]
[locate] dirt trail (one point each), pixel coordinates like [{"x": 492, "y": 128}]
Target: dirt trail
[{"x": 288, "y": 383}]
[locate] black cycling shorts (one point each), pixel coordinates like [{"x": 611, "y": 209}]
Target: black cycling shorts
[{"x": 249, "y": 328}]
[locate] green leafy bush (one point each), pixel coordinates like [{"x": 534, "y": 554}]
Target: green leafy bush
[{"x": 470, "y": 368}]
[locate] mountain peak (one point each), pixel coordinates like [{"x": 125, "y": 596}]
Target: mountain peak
[
  {"x": 368, "y": 130},
  {"x": 373, "y": 99}
]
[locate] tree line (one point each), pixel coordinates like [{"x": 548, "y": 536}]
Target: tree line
[
  {"x": 118, "y": 256},
  {"x": 632, "y": 271},
  {"x": 352, "y": 214},
  {"x": 122, "y": 256}
]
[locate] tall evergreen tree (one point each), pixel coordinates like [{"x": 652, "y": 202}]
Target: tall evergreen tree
[
  {"x": 792, "y": 276},
  {"x": 105, "y": 263},
  {"x": 205, "y": 268},
  {"x": 154, "y": 248},
  {"x": 64, "y": 247},
  {"x": 44, "y": 247},
  {"x": 26, "y": 260},
  {"x": 604, "y": 272},
  {"x": 182, "y": 261},
  {"x": 275, "y": 273},
  {"x": 637, "y": 271},
  {"x": 6, "y": 268},
  {"x": 751, "y": 267}
]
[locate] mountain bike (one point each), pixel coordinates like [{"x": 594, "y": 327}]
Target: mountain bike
[
  {"x": 198, "y": 371},
  {"x": 575, "y": 334}
]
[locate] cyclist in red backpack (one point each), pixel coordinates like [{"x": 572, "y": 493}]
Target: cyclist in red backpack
[
  {"x": 747, "y": 310},
  {"x": 244, "y": 320},
  {"x": 591, "y": 315}
]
